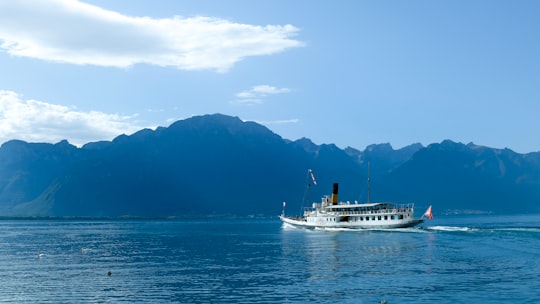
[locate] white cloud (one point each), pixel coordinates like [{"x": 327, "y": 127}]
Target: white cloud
[
  {"x": 256, "y": 94},
  {"x": 279, "y": 122},
  {"x": 75, "y": 32},
  {"x": 38, "y": 121}
]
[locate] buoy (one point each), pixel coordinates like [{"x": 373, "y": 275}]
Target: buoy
[{"x": 109, "y": 274}]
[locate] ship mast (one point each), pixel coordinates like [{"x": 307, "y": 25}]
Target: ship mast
[
  {"x": 308, "y": 189},
  {"x": 310, "y": 177},
  {"x": 368, "y": 183}
]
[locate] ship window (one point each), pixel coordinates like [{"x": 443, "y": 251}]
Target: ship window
[
  {"x": 367, "y": 218},
  {"x": 393, "y": 217},
  {"x": 373, "y": 218},
  {"x": 401, "y": 216},
  {"x": 379, "y": 217},
  {"x": 386, "y": 217}
]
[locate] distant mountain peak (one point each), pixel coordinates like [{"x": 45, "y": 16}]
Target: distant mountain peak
[
  {"x": 207, "y": 120},
  {"x": 384, "y": 147}
]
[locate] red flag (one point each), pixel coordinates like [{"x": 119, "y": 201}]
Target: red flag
[
  {"x": 313, "y": 177},
  {"x": 429, "y": 213}
]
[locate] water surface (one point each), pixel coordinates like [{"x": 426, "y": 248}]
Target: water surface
[{"x": 475, "y": 259}]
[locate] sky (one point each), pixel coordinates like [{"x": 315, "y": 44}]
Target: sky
[{"x": 352, "y": 73}]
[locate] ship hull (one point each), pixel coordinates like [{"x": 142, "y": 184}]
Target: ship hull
[{"x": 384, "y": 224}]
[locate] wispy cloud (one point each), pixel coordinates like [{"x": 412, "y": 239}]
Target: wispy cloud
[
  {"x": 279, "y": 122},
  {"x": 256, "y": 94},
  {"x": 75, "y": 32},
  {"x": 38, "y": 121}
]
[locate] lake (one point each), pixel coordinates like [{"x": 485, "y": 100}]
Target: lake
[{"x": 453, "y": 259}]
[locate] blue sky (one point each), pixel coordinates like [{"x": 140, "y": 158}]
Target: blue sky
[{"x": 353, "y": 73}]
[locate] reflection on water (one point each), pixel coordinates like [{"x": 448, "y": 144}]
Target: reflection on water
[{"x": 356, "y": 265}]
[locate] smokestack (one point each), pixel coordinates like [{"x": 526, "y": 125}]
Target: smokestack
[{"x": 335, "y": 194}]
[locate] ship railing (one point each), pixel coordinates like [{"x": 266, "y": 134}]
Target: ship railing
[{"x": 403, "y": 208}]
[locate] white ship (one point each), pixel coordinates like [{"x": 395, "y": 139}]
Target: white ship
[{"x": 330, "y": 213}]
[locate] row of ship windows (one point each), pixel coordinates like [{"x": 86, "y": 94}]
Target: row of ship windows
[{"x": 367, "y": 218}]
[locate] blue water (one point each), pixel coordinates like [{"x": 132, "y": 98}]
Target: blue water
[{"x": 476, "y": 259}]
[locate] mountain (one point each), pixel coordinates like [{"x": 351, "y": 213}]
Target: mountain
[
  {"x": 469, "y": 177},
  {"x": 217, "y": 164}
]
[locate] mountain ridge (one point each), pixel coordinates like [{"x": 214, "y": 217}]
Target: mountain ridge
[{"x": 218, "y": 164}]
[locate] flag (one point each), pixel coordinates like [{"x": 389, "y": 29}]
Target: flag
[
  {"x": 429, "y": 213},
  {"x": 313, "y": 177}
]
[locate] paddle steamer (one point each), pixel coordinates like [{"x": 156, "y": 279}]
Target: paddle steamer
[{"x": 331, "y": 213}]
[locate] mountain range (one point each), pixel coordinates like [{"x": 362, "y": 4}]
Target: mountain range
[{"x": 221, "y": 165}]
